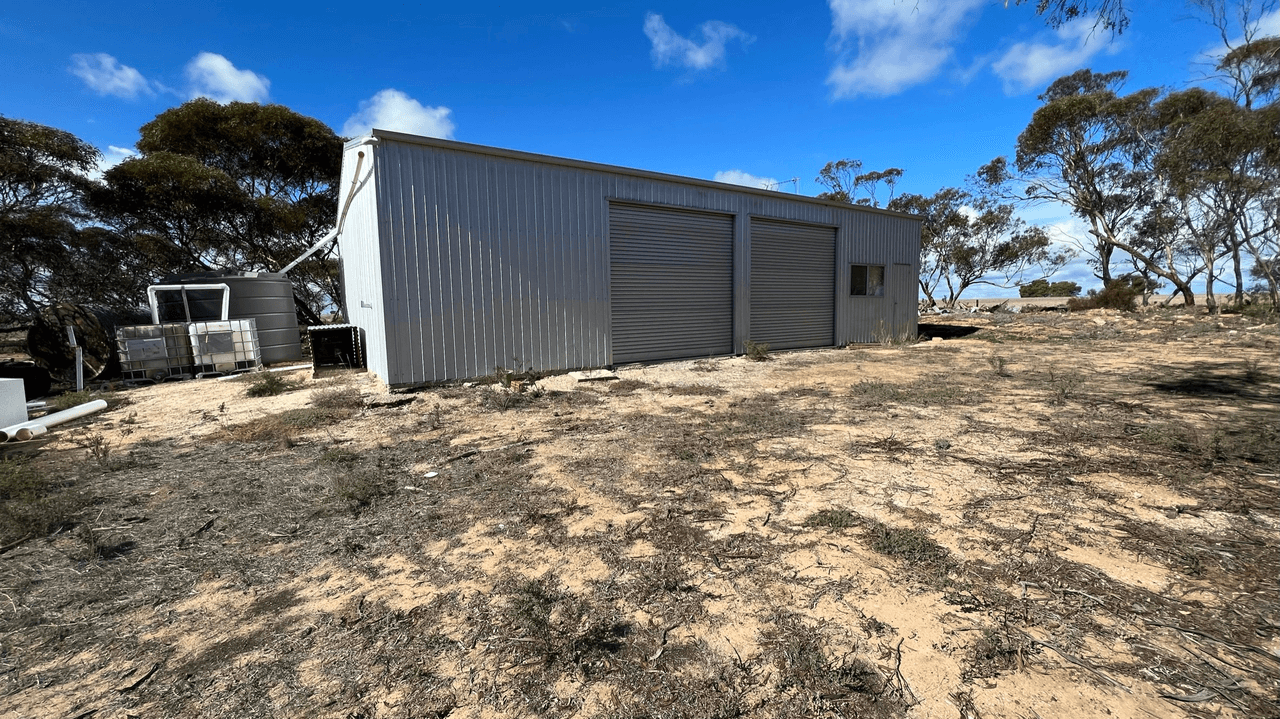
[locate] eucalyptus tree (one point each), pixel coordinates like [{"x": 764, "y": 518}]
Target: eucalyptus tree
[
  {"x": 845, "y": 182},
  {"x": 968, "y": 240},
  {"x": 1088, "y": 147},
  {"x": 49, "y": 250},
  {"x": 240, "y": 186},
  {"x": 1212, "y": 157}
]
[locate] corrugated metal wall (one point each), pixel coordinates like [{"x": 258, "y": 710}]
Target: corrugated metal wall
[
  {"x": 491, "y": 257},
  {"x": 362, "y": 262}
]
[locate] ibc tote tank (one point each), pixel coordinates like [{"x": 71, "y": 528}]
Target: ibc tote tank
[{"x": 263, "y": 296}]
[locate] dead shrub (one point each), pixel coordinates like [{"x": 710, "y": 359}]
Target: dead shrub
[
  {"x": 283, "y": 428},
  {"x": 995, "y": 651},
  {"x": 999, "y": 365},
  {"x": 547, "y": 624},
  {"x": 361, "y": 486},
  {"x": 695, "y": 390},
  {"x": 820, "y": 680},
  {"x": 628, "y": 386},
  {"x": 32, "y": 504},
  {"x": 340, "y": 395}
]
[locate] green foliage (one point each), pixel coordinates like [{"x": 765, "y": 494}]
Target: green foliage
[
  {"x": 966, "y": 240},
  {"x": 31, "y": 503},
  {"x": 67, "y": 400},
  {"x": 757, "y": 351},
  {"x": 49, "y": 254},
  {"x": 833, "y": 519},
  {"x": 270, "y": 385},
  {"x": 237, "y": 186},
  {"x": 845, "y": 180},
  {"x": 1109, "y": 15},
  {"x": 907, "y": 544},
  {"x": 1043, "y": 288},
  {"x": 1119, "y": 294}
]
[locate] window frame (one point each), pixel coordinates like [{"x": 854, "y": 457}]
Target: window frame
[{"x": 867, "y": 288}]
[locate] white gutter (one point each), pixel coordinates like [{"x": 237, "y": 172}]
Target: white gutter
[
  {"x": 342, "y": 217},
  {"x": 155, "y": 302},
  {"x": 26, "y": 430}
]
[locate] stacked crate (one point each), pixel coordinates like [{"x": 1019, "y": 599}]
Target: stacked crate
[
  {"x": 225, "y": 346},
  {"x": 182, "y": 350},
  {"x": 156, "y": 352}
]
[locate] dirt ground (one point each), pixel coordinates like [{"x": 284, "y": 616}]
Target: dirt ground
[{"x": 1033, "y": 516}]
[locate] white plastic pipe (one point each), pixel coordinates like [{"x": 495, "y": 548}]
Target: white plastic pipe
[
  {"x": 51, "y": 420},
  {"x": 31, "y": 432},
  {"x": 342, "y": 217}
]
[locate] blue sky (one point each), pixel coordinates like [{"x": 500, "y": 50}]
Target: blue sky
[{"x": 741, "y": 90}]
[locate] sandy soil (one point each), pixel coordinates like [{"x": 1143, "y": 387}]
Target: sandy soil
[{"x": 1029, "y": 516}]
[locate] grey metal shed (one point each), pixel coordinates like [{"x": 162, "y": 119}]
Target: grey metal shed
[{"x": 459, "y": 258}]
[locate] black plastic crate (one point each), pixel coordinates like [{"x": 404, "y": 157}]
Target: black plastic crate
[{"x": 337, "y": 346}]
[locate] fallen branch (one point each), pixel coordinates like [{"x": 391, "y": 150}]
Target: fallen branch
[
  {"x": 474, "y": 452},
  {"x": 154, "y": 668},
  {"x": 12, "y": 545},
  {"x": 1074, "y": 660}
]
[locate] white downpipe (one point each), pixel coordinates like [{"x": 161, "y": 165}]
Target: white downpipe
[
  {"x": 342, "y": 217},
  {"x": 51, "y": 420},
  {"x": 155, "y": 302}
]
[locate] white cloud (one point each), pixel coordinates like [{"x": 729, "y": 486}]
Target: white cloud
[
  {"x": 887, "y": 46},
  {"x": 738, "y": 177},
  {"x": 213, "y": 76},
  {"x": 106, "y": 76},
  {"x": 1267, "y": 25},
  {"x": 670, "y": 48},
  {"x": 393, "y": 110},
  {"x": 1027, "y": 66},
  {"x": 109, "y": 158}
]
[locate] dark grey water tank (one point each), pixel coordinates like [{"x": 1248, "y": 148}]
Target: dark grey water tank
[{"x": 264, "y": 296}]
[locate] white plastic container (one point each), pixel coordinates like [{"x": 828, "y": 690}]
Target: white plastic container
[
  {"x": 13, "y": 402},
  {"x": 227, "y": 346}
]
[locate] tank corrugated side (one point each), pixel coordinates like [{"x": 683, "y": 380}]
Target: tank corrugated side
[{"x": 266, "y": 297}]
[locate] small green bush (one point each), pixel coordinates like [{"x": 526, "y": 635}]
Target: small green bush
[
  {"x": 1119, "y": 294},
  {"x": 911, "y": 545},
  {"x": 757, "y": 351},
  {"x": 67, "y": 400},
  {"x": 833, "y": 519},
  {"x": 271, "y": 385},
  {"x": 1043, "y": 288}
]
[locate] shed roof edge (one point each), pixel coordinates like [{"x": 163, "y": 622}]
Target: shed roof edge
[{"x": 617, "y": 169}]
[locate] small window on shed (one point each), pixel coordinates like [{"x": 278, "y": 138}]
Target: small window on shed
[{"x": 866, "y": 280}]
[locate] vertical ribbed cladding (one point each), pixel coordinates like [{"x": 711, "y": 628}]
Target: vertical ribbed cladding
[
  {"x": 362, "y": 277},
  {"x": 494, "y": 258}
]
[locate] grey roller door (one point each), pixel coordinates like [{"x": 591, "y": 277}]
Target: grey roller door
[
  {"x": 793, "y": 276},
  {"x": 671, "y": 274}
]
